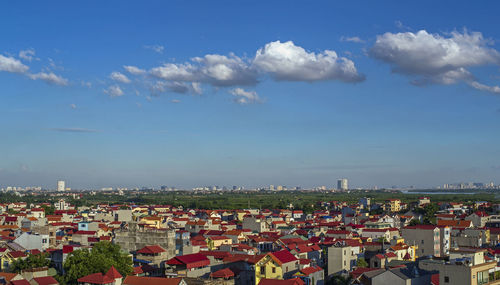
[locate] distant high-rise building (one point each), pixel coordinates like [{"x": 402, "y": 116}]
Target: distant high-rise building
[
  {"x": 342, "y": 184},
  {"x": 271, "y": 187},
  {"x": 61, "y": 185}
]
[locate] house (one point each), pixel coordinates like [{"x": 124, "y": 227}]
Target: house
[
  {"x": 136, "y": 280},
  {"x": 466, "y": 266},
  {"x": 112, "y": 277},
  {"x": 312, "y": 275},
  {"x": 478, "y": 219},
  {"x": 225, "y": 273},
  {"x": 341, "y": 258},
  {"x": 256, "y": 224},
  {"x": 214, "y": 242},
  {"x": 276, "y": 265},
  {"x": 393, "y": 205},
  {"x": 154, "y": 254},
  {"x": 33, "y": 241},
  {"x": 399, "y": 275},
  {"x": 189, "y": 265},
  {"x": 426, "y": 237},
  {"x": 9, "y": 257}
]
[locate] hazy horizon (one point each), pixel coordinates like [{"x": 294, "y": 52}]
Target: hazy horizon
[{"x": 185, "y": 94}]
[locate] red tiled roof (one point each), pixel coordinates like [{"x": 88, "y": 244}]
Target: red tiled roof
[
  {"x": 48, "y": 280},
  {"x": 20, "y": 282},
  {"x": 17, "y": 254},
  {"x": 454, "y": 223},
  {"x": 283, "y": 256},
  {"x": 309, "y": 270},
  {"x": 151, "y": 249},
  {"x": 96, "y": 278},
  {"x": 223, "y": 273},
  {"x": 190, "y": 260},
  {"x": 390, "y": 254},
  {"x": 113, "y": 273}
]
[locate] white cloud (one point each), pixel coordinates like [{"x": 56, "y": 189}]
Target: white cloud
[
  {"x": 282, "y": 61},
  {"x": 221, "y": 70},
  {"x": 155, "y": 48},
  {"x": 119, "y": 77},
  {"x": 173, "y": 86},
  {"x": 175, "y": 72},
  {"x": 28, "y": 55},
  {"x": 216, "y": 70},
  {"x": 72, "y": 106},
  {"x": 432, "y": 58},
  {"x": 483, "y": 87},
  {"x": 50, "y": 78},
  {"x": 114, "y": 91},
  {"x": 175, "y": 101},
  {"x": 245, "y": 97},
  {"x": 352, "y": 39},
  {"x": 286, "y": 61},
  {"x": 197, "y": 88},
  {"x": 134, "y": 70},
  {"x": 10, "y": 64}
]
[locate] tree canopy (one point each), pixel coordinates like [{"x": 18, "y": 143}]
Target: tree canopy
[
  {"x": 100, "y": 258},
  {"x": 32, "y": 261}
]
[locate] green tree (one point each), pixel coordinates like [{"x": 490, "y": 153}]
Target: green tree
[
  {"x": 414, "y": 222},
  {"x": 32, "y": 261},
  {"x": 100, "y": 258},
  {"x": 361, "y": 262},
  {"x": 49, "y": 210}
]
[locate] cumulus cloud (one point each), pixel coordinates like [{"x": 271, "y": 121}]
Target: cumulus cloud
[
  {"x": 10, "y": 64},
  {"x": 28, "y": 55},
  {"x": 114, "y": 91},
  {"x": 352, "y": 39},
  {"x": 134, "y": 70},
  {"x": 433, "y": 58},
  {"x": 174, "y": 86},
  {"x": 50, "y": 78},
  {"x": 279, "y": 61},
  {"x": 286, "y": 61},
  {"x": 216, "y": 70},
  {"x": 119, "y": 77},
  {"x": 245, "y": 97},
  {"x": 155, "y": 48}
]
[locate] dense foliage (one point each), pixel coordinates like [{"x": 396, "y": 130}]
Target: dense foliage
[
  {"x": 32, "y": 261},
  {"x": 100, "y": 258}
]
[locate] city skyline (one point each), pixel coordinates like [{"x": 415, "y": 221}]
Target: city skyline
[{"x": 249, "y": 93}]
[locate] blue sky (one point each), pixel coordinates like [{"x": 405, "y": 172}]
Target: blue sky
[{"x": 186, "y": 93}]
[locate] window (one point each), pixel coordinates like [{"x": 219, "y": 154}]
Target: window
[
  {"x": 287, "y": 269},
  {"x": 274, "y": 269},
  {"x": 446, "y": 279},
  {"x": 422, "y": 241},
  {"x": 262, "y": 270}
]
